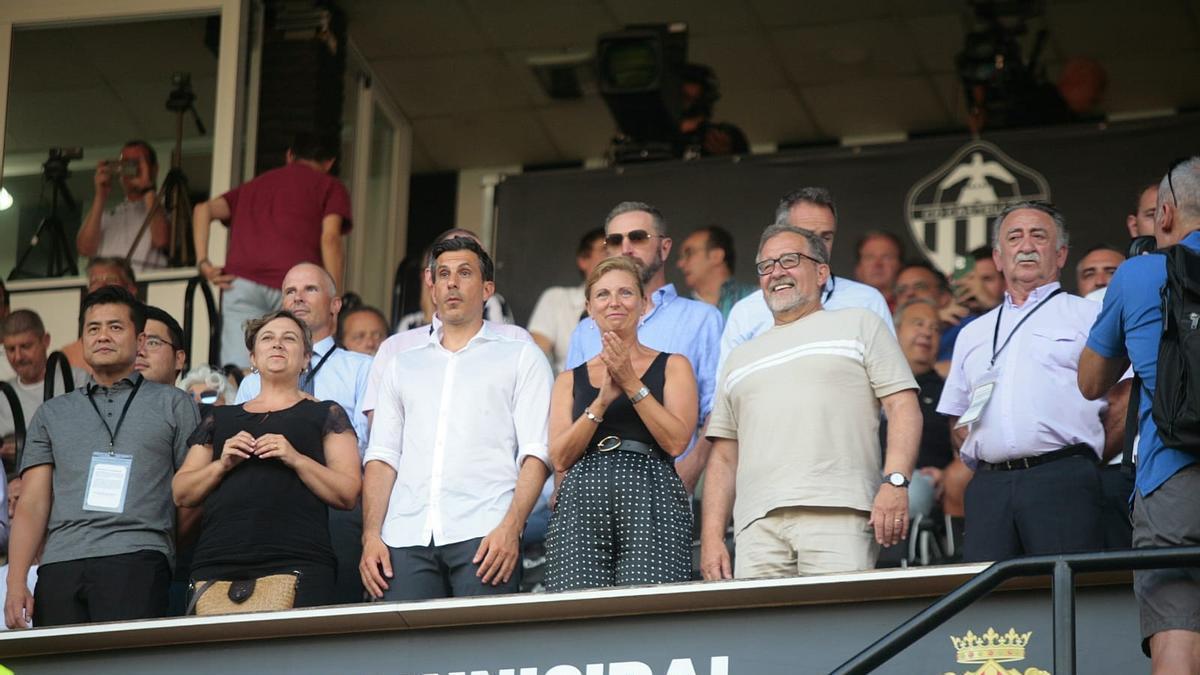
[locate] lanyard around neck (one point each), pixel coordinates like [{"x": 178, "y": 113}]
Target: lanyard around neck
[
  {"x": 996, "y": 332},
  {"x": 112, "y": 433},
  {"x": 311, "y": 376}
]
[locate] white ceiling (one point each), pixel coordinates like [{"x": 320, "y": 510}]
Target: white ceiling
[{"x": 790, "y": 70}]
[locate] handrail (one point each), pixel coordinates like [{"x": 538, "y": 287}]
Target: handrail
[
  {"x": 214, "y": 322},
  {"x": 18, "y": 418},
  {"x": 1061, "y": 567},
  {"x": 58, "y": 361}
]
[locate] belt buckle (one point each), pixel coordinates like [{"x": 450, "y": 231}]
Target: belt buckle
[{"x": 608, "y": 444}]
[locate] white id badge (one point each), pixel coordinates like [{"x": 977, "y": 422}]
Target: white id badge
[
  {"x": 108, "y": 482},
  {"x": 980, "y": 395}
]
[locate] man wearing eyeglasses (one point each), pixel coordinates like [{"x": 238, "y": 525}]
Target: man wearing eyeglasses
[
  {"x": 1165, "y": 507},
  {"x": 161, "y": 355},
  {"x": 795, "y": 430},
  {"x": 671, "y": 323},
  {"x": 813, "y": 209}
]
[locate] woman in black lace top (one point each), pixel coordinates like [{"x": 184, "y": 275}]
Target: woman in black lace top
[
  {"x": 617, "y": 423},
  {"x": 267, "y": 471}
]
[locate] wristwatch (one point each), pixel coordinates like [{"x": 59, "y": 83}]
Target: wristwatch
[
  {"x": 897, "y": 479},
  {"x": 641, "y": 394}
]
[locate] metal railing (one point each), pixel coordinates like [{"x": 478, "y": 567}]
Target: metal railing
[
  {"x": 1062, "y": 570},
  {"x": 214, "y": 321}
]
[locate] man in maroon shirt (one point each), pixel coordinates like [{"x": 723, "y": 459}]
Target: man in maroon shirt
[{"x": 287, "y": 216}]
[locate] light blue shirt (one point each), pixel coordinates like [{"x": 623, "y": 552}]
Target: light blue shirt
[
  {"x": 1131, "y": 325},
  {"x": 675, "y": 325},
  {"x": 343, "y": 378},
  {"x": 751, "y": 317}
]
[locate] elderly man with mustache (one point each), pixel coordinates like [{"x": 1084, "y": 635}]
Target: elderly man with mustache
[{"x": 1030, "y": 436}]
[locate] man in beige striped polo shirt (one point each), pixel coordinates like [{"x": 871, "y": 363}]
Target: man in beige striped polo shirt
[{"x": 795, "y": 430}]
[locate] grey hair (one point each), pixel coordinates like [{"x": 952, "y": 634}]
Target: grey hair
[
  {"x": 915, "y": 301},
  {"x": 817, "y": 196},
  {"x": 660, "y": 224},
  {"x": 816, "y": 245},
  {"x": 212, "y": 379},
  {"x": 1060, "y": 224},
  {"x": 1185, "y": 181}
]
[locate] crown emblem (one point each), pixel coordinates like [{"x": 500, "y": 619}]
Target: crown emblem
[
  {"x": 991, "y": 649},
  {"x": 991, "y": 646}
]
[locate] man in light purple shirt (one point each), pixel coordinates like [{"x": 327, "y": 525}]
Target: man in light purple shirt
[{"x": 1030, "y": 436}]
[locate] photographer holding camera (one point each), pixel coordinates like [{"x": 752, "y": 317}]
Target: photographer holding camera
[{"x": 118, "y": 232}]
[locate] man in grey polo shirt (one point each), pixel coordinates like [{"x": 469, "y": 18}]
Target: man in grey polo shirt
[{"x": 96, "y": 484}]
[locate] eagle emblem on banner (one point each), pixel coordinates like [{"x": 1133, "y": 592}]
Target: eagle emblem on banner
[{"x": 950, "y": 210}]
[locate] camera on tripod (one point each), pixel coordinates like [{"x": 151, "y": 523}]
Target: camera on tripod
[{"x": 55, "y": 166}]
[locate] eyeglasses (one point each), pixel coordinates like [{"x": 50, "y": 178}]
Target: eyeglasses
[
  {"x": 786, "y": 261},
  {"x": 208, "y": 396},
  {"x": 615, "y": 239},
  {"x": 1174, "y": 165},
  {"x": 154, "y": 342}
]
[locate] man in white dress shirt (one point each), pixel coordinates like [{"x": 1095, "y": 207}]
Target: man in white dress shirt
[
  {"x": 813, "y": 209},
  {"x": 1033, "y": 440},
  {"x": 458, "y": 450}
]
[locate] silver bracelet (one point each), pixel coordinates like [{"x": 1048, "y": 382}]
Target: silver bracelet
[
  {"x": 641, "y": 394},
  {"x": 588, "y": 414}
]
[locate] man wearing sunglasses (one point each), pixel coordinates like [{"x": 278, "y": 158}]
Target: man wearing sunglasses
[
  {"x": 161, "y": 354},
  {"x": 813, "y": 209},
  {"x": 671, "y": 323},
  {"x": 1165, "y": 508},
  {"x": 795, "y": 430}
]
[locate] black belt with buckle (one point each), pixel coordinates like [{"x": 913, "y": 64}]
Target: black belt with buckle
[
  {"x": 615, "y": 443},
  {"x": 1077, "y": 450}
]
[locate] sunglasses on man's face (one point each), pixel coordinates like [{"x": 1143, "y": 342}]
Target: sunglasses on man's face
[{"x": 615, "y": 239}]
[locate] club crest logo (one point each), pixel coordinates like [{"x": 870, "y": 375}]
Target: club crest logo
[
  {"x": 950, "y": 210},
  {"x": 991, "y": 649}
]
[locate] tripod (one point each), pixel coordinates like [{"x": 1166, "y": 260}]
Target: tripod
[
  {"x": 60, "y": 259},
  {"x": 174, "y": 197}
]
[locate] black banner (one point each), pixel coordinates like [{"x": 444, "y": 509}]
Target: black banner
[{"x": 932, "y": 192}]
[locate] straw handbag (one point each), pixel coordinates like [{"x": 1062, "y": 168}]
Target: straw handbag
[{"x": 272, "y": 592}]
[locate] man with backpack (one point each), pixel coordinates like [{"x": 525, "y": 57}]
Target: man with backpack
[{"x": 1166, "y": 358}]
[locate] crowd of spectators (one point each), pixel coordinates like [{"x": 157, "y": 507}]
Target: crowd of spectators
[{"x": 814, "y": 418}]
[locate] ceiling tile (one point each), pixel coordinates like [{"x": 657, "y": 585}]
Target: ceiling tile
[
  {"x": 1102, "y": 28},
  {"x": 485, "y": 139},
  {"x": 703, "y": 17},
  {"x": 387, "y": 29},
  {"x": 579, "y": 129},
  {"x": 780, "y": 13},
  {"x": 876, "y": 106},
  {"x": 741, "y": 61},
  {"x": 444, "y": 85},
  {"x": 937, "y": 40},
  {"x": 767, "y": 115},
  {"x": 1145, "y": 82},
  {"x": 845, "y": 51},
  {"x": 542, "y": 24}
]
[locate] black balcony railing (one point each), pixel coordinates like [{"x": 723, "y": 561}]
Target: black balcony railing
[{"x": 1061, "y": 569}]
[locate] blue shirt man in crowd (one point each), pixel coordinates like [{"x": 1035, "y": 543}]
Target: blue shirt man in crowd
[
  {"x": 1166, "y": 509},
  {"x": 671, "y": 323}
]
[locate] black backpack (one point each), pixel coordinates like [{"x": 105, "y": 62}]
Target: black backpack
[{"x": 1176, "y": 406}]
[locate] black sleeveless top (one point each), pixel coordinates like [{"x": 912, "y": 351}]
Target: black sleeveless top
[
  {"x": 621, "y": 419},
  {"x": 261, "y": 512}
]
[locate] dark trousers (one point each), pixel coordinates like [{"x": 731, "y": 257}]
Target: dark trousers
[
  {"x": 1050, "y": 508},
  {"x": 425, "y": 572},
  {"x": 1118, "y": 528},
  {"x": 345, "y": 534},
  {"x": 109, "y": 588}
]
